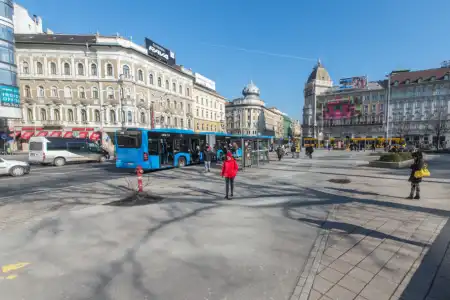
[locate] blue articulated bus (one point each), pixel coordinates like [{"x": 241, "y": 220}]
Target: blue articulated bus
[{"x": 157, "y": 148}]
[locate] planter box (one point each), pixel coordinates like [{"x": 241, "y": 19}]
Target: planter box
[{"x": 391, "y": 165}]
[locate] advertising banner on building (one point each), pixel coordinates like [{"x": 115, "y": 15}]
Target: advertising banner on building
[
  {"x": 158, "y": 51},
  {"x": 9, "y": 96},
  {"x": 359, "y": 82},
  {"x": 206, "y": 82},
  {"x": 342, "y": 107}
]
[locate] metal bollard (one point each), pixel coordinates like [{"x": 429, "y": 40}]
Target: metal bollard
[{"x": 139, "y": 172}]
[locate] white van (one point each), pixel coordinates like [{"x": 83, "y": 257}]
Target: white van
[{"x": 58, "y": 151}]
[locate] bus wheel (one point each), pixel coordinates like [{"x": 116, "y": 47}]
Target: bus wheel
[
  {"x": 181, "y": 162},
  {"x": 59, "y": 162}
]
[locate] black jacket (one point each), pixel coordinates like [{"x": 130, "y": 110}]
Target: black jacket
[
  {"x": 207, "y": 155},
  {"x": 416, "y": 166}
]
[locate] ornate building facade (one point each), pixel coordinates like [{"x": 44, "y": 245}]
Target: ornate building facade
[
  {"x": 248, "y": 115},
  {"x": 209, "y": 110},
  {"x": 89, "y": 84}
]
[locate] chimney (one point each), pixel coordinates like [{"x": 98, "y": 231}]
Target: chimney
[{"x": 35, "y": 19}]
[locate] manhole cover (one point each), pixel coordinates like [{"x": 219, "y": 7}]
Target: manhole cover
[
  {"x": 340, "y": 180},
  {"x": 136, "y": 200}
]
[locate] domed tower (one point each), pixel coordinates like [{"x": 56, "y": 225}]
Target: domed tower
[
  {"x": 251, "y": 91},
  {"x": 318, "y": 82}
]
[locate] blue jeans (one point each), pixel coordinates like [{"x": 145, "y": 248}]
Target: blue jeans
[{"x": 207, "y": 165}]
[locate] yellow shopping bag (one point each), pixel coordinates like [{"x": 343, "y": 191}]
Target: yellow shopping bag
[{"x": 422, "y": 172}]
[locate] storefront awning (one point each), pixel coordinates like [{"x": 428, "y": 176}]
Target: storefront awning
[
  {"x": 83, "y": 134},
  {"x": 27, "y": 134},
  {"x": 56, "y": 134},
  {"x": 42, "y": 133},
  {"x": 95, "y": 136},
  {"x": 17, "y": 134},
  {"x": 68, "y": 134}
]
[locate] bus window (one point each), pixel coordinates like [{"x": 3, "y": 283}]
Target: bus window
[
  {"x": 129, "y": 139},
  {"x": 153, "y": 146}
]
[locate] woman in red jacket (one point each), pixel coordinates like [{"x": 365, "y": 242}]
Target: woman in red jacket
[{"x": 229, "y": 171}]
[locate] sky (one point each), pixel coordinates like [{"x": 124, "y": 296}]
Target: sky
[{"x": 273, "y": 43}]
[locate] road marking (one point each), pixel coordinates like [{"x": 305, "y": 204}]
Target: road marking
[{"x": 13, "y": 267}]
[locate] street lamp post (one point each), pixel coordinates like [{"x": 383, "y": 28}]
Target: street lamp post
[
  {"x": 387, "y": 107},
  {"x": 122, "y": 113}
]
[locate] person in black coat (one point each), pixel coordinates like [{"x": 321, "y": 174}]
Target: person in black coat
[{"x": 415, "y": 182}]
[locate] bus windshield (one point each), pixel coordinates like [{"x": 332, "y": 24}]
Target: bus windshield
[{"x": 129, "y": 139}]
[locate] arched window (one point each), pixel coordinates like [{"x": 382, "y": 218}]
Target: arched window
[
  {"x": 95, "y": 93},
  {"x": 112, "y": 116},
  {"x": 203, "y": 126},
  {"x": 70, "y": 115},
  {"x": 66, "y": 69},
  {"x": 142, "y": 117},
  {"x": 181, "y": 123},
  {"x": 43, "y": 114},
  {"x": 54, "y": 91},
  {"x": 83, "y": 115},
  {"x": 167, "y": 84},
  {"x": 180, "y": 89},
  {"x": 57, "y": 115},
  {"x": 168, "y": 103},
  {"x": 162, "y": 120},
  {"x": 39, "y": 69},
  {"x": 126, "y": 71},
  {"x": 27, "y": 91},
  {"x": 81, "y": 93},
  {"x": 159, "y": 81},
  {"x": 175, "y": 104},
  {"x": 30, "y": 114},
  {"x": 181, "y": 105},
  {"x": 174, "y": 86},
  {"x": 197, "y": 112},
  {"x": 140, "y": 75},
  {"x": 53, "y": 68},
  {"x": 150, "y": 78},
  {"x": 207, "y": 127},
  {"x": 189, "y": 123},
  {"x": 110, "y": 92},
  {"x": 109, "y": 70},
  {"x": 168, "y": 121},
  {"x": 67, "y": 92},
  {"x": 188, "y": 92},
  {"x": 93, "y": 70},
  {"x": 97, "y": 115},
  {"x": 25, "y": 68},
  {"x": 41, "y": 92},
  {"x": 80, "y": 69},
  {"x": 175, "y": 120}
]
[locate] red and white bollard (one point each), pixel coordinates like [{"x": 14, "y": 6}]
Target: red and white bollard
[{"x": 139, "y": 172}]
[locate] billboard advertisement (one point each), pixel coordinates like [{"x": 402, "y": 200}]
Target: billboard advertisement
[
  {"x": 158, "y": 51},
  {"x": 9, "y": 102},
  {"x": 206, "y": 82},
  {"x": 359, "y": 82},
  {"x": 342, "y": 107}
]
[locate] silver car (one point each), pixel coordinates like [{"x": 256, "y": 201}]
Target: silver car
[{"x": 13, "y": 167}]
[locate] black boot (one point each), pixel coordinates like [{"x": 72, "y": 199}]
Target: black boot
[
  {"x": 410, "y": 197},
  {"x": 417, "y": 196}
]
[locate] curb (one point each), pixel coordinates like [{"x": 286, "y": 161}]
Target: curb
[{"x": 306, "y": 279}]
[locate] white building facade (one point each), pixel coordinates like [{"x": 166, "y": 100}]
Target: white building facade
[
  {"x": 249, "y": 116},
  {"x": 85, "y": 85}
]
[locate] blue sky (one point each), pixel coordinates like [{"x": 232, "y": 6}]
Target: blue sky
[{"x": 351, "y": 37}]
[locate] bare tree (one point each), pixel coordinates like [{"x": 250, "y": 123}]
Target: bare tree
[
  {"x": 403, "y": 127},
  {"x": 438, "y": 124}
]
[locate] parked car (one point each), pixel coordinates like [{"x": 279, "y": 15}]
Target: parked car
[
  {"x": 58, "y": 151},
  {"x": 13, "y": 167}
]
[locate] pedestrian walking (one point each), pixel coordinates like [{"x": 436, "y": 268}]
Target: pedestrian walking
[
  {"x": 415, "y": 181},
  {"x": 207, "y": 156},
  {"x": 229, "y": 171}
]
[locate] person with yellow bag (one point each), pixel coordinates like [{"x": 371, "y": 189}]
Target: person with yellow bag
[{"x": 416, "y": 176}]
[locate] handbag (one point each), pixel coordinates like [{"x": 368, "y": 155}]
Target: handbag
[{"x": 422, "y": 172}]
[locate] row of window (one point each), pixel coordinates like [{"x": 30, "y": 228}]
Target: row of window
[
  {"x": 207, "y": 102},
  {"x": 66, "y": 70},
  {"x": 420, "y": 80},
  {"x": 208, "y": 127},
  {"x": 209, "y": 114}
]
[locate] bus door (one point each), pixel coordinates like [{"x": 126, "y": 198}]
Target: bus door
[
  {"x": 166, "y": 153},
  {"x": 154, "y": 150}
]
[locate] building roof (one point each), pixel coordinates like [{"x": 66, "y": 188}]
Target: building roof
[
  {"x": 207, "y": 89},
  {"x": 414, "y": 76},
  {"x": 319, "y": 73},
  {"x": 55, "y": 38}
]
